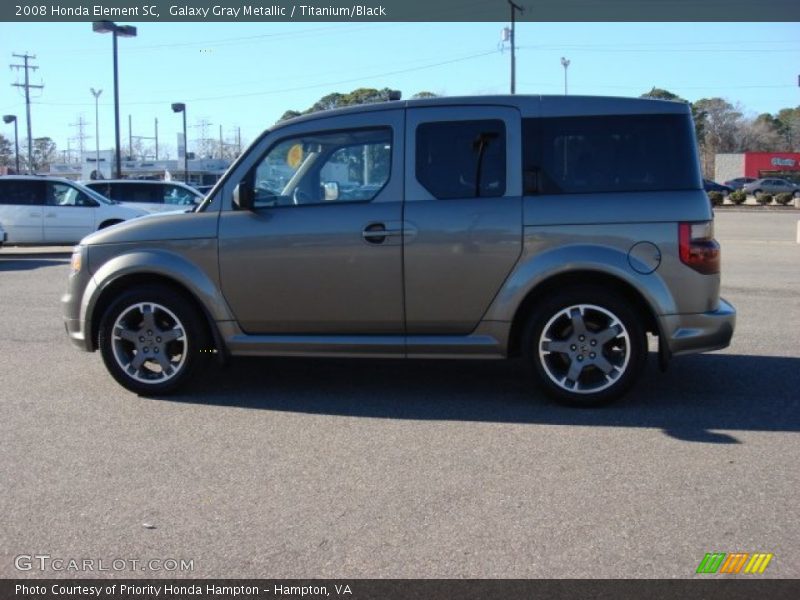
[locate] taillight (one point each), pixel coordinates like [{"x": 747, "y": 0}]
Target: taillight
[{"x": 698, "y": 248}]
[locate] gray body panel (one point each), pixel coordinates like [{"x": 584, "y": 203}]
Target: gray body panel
[{"x": 301, "y": 280}]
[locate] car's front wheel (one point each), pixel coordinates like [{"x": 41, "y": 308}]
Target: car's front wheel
[
  {"x": 152, "y": 339},
  {"x": 587, "y": 346}
]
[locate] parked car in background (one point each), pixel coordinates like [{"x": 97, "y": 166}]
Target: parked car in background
[
  {"x": 49, "y": 210},
  {"x": 3, "y": 235},
  {"x": 152, "y": 196},
  {"x": 772, "y": 186},
  {"x": 713, "y": 186},
  {"x": 203, "y": 189},
  {"x": 560, "y": 229},
  {"x": 737, "y": 183}
]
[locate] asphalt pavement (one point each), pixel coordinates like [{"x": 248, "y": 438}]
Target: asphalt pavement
[{"x": 333, "y": 468}]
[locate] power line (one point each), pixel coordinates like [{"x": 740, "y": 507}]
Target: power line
[
  {"x": 306, "y": 87},
  {"x": 28, "y": 86}
]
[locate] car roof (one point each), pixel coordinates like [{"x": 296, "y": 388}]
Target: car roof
[
  {"x": 145, "y": 181},
  {"x": 529, "y": 105},
  {"x": 37, "y": 178}
]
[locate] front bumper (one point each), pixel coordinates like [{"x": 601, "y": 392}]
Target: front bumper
[{"x": 700, "y": 332}]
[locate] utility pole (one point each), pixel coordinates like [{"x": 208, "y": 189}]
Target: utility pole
[
  {"x": 514, "y": 9},
  {"x": 96, "y": 94},
  {"x": 81, "y": 134},
  {"x": 204, "y": 144},
  {"x": 156, "y": 138},
  {"x": 28, "y": 87}
]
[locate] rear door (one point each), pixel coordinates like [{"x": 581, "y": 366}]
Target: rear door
[
  {"x": 69, "y": 214},
  {"x": 462, "y": 215},
  {"x": 22, "y": 210}
]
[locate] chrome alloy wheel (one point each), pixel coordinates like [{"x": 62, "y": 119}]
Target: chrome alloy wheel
[
  {"x": 149, "y": 343},
  {"x": 584, "y": 349}
]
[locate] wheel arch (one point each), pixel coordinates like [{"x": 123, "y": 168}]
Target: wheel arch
[
  {"x": 146, "y": 268},
  {"x": 573, "y": 278}
]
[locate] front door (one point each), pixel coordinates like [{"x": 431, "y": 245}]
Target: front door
[
  {"x": 68, "y": 213},
  {"x": 321, "y": 251},
  {"x": 463, "y": 213}
]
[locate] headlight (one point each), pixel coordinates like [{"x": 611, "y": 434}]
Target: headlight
[{"x": 77, "y": 257}]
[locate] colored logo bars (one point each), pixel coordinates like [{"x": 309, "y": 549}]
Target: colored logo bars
[{"x": 717, "y": 562}]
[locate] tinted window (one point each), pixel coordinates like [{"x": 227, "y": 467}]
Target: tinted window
[
  {"x": 574, "y": 155},
  {"x": 142, "y": 192},
  {"x": 462, "y": 159},
  {"x": 25, "y": 193}
]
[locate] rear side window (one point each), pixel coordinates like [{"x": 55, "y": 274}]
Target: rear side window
[
  {"x": 22, "y": 193},
  {"x": 631, "y": 153},
  {"x": 462, "y": 159},
  {"x": 138, "y": 192}
]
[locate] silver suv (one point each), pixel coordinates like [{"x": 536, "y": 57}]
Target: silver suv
[{"x": 560, "y": 229}]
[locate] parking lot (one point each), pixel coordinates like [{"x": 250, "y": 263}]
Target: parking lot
[{"x": 313, "y": 468}]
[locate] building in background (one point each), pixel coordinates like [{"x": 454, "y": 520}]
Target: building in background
[
  {"x": 202, "y": 171},
  {"x": 785, "y": 165}
]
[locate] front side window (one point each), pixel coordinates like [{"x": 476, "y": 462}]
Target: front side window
[
  {"x": 626, "y": 153},
  {"x": 61, "y": 194},
  {"x": 343, "y": 166},
  {"x": 462, "y": 159},
  {"x": 178, "y": 196}
]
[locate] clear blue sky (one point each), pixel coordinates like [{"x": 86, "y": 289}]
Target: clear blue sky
[{"x": 247, "y": 74}]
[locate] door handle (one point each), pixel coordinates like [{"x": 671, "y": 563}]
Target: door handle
[
  {"x": 35, "y": 215},
  {"x": 50, "y": 215},
  {"x": 376, "y": 233}
]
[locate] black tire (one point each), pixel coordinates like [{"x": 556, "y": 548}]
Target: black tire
[
  {"x": 606, "y": 368},
  {"x": 171, "y": 314},
  {"x": 756, "y": 193}
]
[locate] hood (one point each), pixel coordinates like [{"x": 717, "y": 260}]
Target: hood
[{"x": 173, "y": 225}]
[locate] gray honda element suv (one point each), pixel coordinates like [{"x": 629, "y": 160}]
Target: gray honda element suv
[{"x": 561, "y": 229}]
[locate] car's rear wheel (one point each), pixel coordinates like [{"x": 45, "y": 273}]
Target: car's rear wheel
[
  {"x": 587, "y": 346},
  {"x": 152, "y": 339}
]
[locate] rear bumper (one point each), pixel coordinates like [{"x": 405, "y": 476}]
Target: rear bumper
[{"x": 700, "y": 332}]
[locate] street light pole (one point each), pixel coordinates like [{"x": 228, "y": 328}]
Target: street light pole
[
  {"x": 124, "y": 31},
  {"x": 180, "y": 107},
  {"x": 565, "y": 64},
  {"x": 13, "y": 119},
  {"x": 514, "y": 9},
  {"x": 96, "y": 94}
]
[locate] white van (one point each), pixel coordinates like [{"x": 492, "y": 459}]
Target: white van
[
  {"x": 152, "y": 196},
  {"x": 50, "y": 210}
]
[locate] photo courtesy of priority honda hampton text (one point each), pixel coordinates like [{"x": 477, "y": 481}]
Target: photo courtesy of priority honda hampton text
[{"x": 560, "y": 229}]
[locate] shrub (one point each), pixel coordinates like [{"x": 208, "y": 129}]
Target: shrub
[
  {"x": 738, "y": 197},
  {"x": 784, "y": 198},
  {"x": 764, "y": 199},
  {"x": 716, "y": 198}
]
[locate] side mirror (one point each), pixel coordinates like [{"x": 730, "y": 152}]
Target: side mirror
[
  {"x": 243, "y": 197},
  {"x": 331, "y": 190}
]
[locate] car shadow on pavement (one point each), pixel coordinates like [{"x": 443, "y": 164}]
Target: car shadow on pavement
[
  {"x": 698, "y": 396},
  {"x": 15, "y": 263}
]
